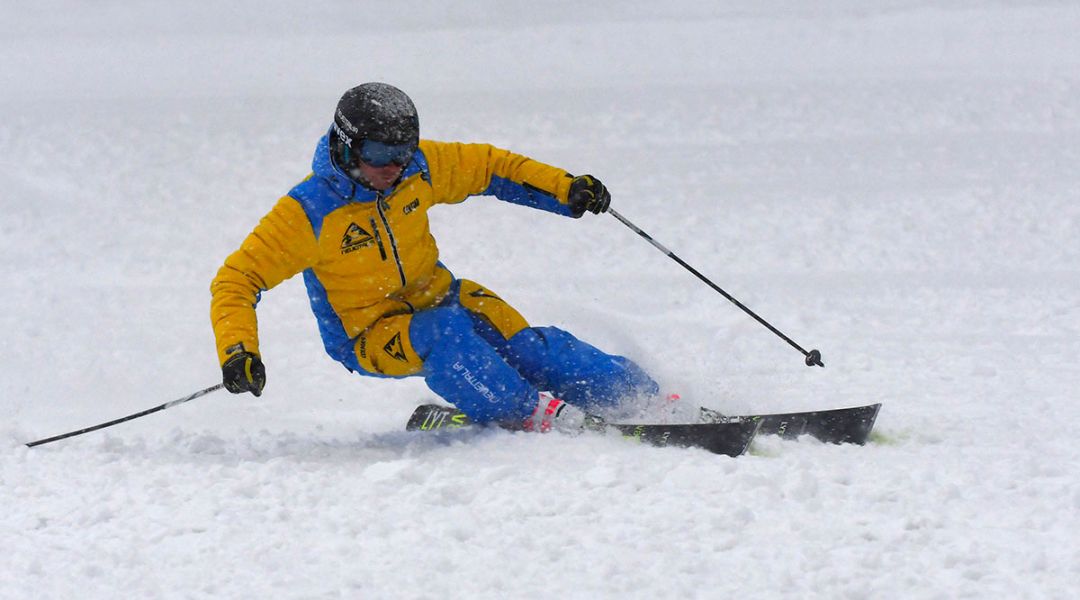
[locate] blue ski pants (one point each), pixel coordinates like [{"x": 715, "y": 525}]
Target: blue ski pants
[{"x": 476, "y": 351}]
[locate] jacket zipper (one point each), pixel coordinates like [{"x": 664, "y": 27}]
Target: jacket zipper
[
  {"x": 390, "y": 234},
  {"x": 378, "y": 239}
]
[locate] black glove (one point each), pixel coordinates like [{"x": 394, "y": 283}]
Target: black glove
[
  {"x": 588, "y": 194},
  {"x": 244, "y": 372}
]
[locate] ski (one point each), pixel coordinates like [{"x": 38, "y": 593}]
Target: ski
[
  {"x": 838, "y": 426},
  {"x": 729, "y": 438}
]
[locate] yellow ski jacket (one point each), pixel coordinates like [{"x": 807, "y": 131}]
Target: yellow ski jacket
[{"x": 367, "y": 254}]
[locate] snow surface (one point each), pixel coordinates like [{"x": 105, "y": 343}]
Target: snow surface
[{"x": 893, "y": 182}]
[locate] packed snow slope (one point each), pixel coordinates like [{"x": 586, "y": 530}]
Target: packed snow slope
[{"x": 893, "y": 182}]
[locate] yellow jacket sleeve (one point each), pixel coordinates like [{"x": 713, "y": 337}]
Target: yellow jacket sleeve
[
  {"x": 280, "y": 246},
  {"x": 462, "y": 170}
]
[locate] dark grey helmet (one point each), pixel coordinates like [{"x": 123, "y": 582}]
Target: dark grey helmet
[{"x": 376, "y": 111}]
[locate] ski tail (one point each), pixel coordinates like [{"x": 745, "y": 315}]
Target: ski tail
[{"x": 428, "y": 417}]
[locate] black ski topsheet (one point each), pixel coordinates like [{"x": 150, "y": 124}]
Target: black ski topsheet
[
  {"x": 730, "y": 438},
  {"x": 838, "y": 426}
]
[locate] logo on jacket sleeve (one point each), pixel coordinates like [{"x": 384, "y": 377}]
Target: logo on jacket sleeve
[
  {"x": 355, "y": 238},
  {"x": 408, "y": 208}
]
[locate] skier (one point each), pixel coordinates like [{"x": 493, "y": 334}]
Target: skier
[{"x": 357, "y": 227}]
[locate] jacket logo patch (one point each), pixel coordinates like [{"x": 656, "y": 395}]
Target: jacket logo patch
[
  {"x": 415, "y": 204},
  {"x": 395, "y": 349},
  {"x": 355, "y": 238}
]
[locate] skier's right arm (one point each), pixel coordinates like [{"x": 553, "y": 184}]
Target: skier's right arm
[{"x": 280, "y": 246}]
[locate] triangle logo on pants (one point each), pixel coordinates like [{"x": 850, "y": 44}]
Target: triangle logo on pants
[{"x": 395, "y": 349}]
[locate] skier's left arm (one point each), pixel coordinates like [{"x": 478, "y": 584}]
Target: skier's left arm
[{"x": 462, "y": 170}]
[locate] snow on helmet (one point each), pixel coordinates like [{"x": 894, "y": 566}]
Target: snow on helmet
[{"x": 374, "y": 122}]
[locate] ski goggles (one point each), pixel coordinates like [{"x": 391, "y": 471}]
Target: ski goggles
[{"x": 378, "y": 154}]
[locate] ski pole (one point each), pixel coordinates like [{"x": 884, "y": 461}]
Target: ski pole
[
  {"x": 148, "y": 411},
  {"x": 813, "y": 357}
]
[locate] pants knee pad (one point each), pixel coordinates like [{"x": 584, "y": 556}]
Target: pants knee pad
[{"x": 386, "y": 348}]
